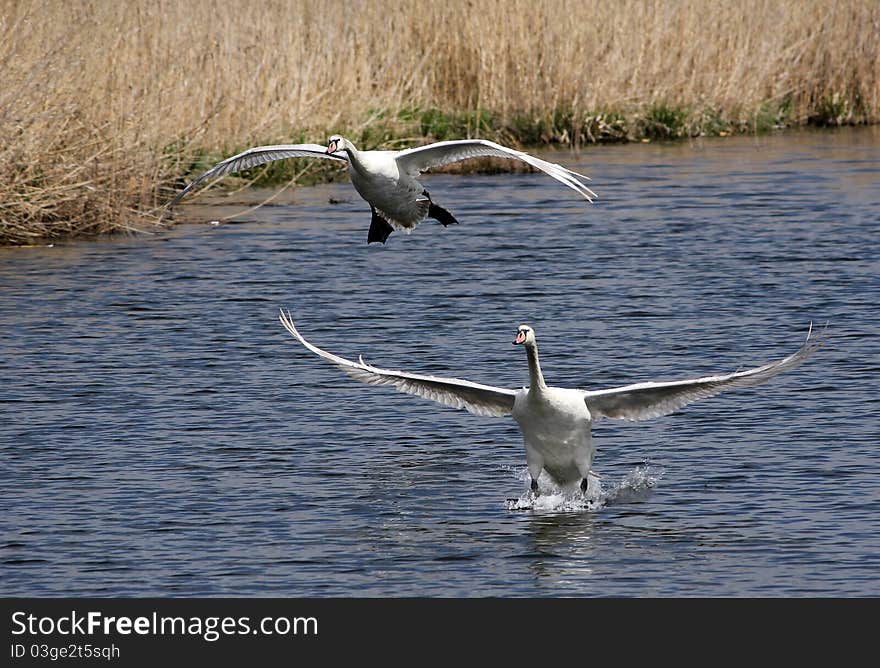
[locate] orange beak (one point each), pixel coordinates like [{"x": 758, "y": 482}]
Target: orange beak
[
  {"x": 331, "y": 148},
  {"x": 520, "y": 338}
]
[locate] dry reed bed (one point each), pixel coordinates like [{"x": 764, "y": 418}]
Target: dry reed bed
[{"x": 106, "y": 106}]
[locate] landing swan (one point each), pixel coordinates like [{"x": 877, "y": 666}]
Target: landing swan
[
  {"x": 556, "y": 422},
  {"x": 387, "y": 179}
]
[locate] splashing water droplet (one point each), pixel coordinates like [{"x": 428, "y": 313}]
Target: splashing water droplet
[{"x": 634, "y": 487}]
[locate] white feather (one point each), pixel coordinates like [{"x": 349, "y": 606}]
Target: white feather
[
  {"x": 556, "y": 422},
  {"x": 387, "y": 180}
]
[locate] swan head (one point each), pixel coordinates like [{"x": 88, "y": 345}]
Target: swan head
[
  {"x": 336, "y": 144},
  {"x": 524, "y": 334}
]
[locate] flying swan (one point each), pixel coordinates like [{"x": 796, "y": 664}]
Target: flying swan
[
  {"x": 387, "y": 179},
  {"x": 555, "y": 422}
]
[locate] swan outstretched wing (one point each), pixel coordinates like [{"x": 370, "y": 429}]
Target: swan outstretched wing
[
  {"x": 476, "y": 398},
  {"x": 259, "y": 155},
  {"x": 643, "y": 401},
  {"x": 415, "y": 160}
]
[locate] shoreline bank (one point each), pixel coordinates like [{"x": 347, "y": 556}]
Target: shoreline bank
[
  {"x": 309, "y": 172},
  {"x": 109, "y": 108}
]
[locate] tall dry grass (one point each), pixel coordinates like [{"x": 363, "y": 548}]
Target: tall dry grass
[{"x": 105, "y": 105}]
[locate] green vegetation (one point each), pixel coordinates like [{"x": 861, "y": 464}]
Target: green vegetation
[{"x": 96, "y": 140}]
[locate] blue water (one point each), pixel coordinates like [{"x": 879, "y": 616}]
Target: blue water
[{"x": 162, "y": 435}]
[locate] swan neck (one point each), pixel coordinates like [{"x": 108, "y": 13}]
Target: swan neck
[
  {"x": 354, "y": 157},
  {"x": 537, "y": 378}
]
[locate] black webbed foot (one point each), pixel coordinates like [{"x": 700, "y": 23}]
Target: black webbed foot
[
  {"x": 379, "y": 228},
  {"x": 439, "y": 213}
]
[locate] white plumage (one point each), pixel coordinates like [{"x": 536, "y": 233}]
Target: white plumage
[
  {"x": 387, "y": 180},
  {"x": 556, "y": 422}
]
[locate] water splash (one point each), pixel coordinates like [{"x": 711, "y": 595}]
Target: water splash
[{"x": 634, "y": 487}]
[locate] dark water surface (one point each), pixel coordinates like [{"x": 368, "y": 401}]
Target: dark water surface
[{"x": 162, "y": 435}]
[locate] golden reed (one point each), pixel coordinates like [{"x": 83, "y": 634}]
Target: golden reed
[{"x": 106, "y": 105}]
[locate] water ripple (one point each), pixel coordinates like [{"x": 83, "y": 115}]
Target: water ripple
[{"x": 162, "y": 435}]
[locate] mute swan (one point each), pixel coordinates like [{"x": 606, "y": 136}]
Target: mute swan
[
  {"x": 555, "y": 422},
  {"x": 387, "y": 179}
]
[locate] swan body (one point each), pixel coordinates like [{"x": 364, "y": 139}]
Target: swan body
[
  {"x": 387, "y": 180},
  {"x": 556, "y": 422}
]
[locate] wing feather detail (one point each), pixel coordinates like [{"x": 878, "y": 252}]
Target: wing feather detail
[
  {"x": 476, "y": 398},
  {"x": 415, "y": 160},
  {"x": 256, "y": 156},
  {"x": 643, "y": 401}
]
